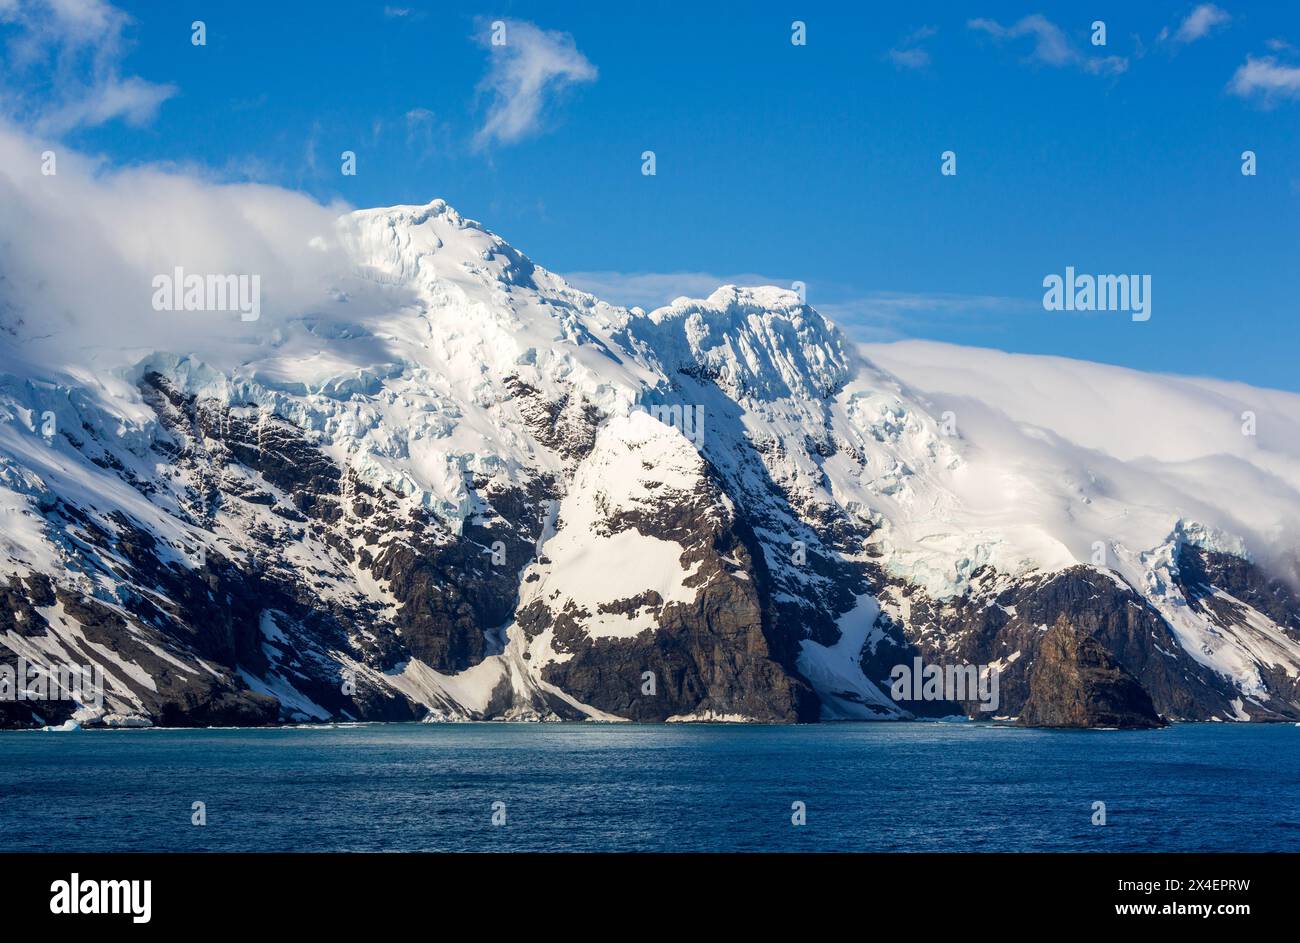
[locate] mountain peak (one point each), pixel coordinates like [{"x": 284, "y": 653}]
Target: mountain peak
[
  {"x": 762, "y": 342},
  {"x": 412, "y": 213}
]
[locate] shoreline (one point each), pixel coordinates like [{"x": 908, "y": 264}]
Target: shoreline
[{"x": 918, "y": 722}]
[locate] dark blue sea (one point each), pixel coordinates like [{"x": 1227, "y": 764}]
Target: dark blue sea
[{"x": 593, "y": 787}]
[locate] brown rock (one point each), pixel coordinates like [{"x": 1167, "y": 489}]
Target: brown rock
[{"x": 1075, "y": 682}]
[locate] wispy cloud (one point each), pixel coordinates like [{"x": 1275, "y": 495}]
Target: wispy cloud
[
  {"x": 404, "y": 14},
  {"x": 908, "y": 54},
  {"x": 1265, "y": 79},
  {"x": 63, "y": 66},
  {"x": 891, "y": 315},
  {"x": 909, "y": 58},
  {"x": 531, "y": 66},
  {"x": 132, "y": 99},
  {"x": 310, "y": 161},
  {"x": 1197, "y": 24},
  {"x": 418, "y": 117},
  {"x": 1051, "y": 46},
  {"x": 421, "y": 126}
]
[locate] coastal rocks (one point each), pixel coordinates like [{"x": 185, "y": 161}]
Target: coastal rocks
[
  {"x": 1003, "y": 621},
  {"x": 1076, "y": 683}
]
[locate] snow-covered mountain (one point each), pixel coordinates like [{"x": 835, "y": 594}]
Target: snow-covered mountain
[{"x": 460, "y": 488}]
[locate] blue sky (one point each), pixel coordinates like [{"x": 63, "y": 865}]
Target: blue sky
[{"x": 777, "y": 162}]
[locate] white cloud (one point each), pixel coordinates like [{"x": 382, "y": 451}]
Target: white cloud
[
  {"x": 1265, "y": 78},
  {"x": 63, "y": 66},
  {"x": 1051, "y": 45},
  {"x": 82, "y": 247},
  {"x": 421, "y": 125},
  {"x": 908, "y": 54},
  {"x": 132, "y": 99},
  {"x": 531, "y": 65},
  {"x": 1199, "y": 23},
  {"x": 418, "y": 116},
  {"x": 909, "y": 58}
]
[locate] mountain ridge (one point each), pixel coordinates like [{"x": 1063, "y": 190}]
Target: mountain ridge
[{"x": 458, "y": 488}]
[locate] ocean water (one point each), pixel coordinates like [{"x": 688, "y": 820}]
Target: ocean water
[{"x": 595, "y": 787}]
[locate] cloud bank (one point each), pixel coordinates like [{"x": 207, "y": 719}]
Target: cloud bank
[{"x": 79, "y": 249}]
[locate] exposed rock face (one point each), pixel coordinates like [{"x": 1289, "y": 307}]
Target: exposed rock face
[
  {"x": 171, "y": 697},
  {"x": 1232, "y": 593},
  {"x": 705, "y": 641},
  {"x": 1004, "y": 622},
  {"x": 697, "y": 645},
  {"x": 1076, "y": 683}
]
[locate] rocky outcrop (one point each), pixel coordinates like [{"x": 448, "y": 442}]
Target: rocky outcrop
[
  {"x": 1075, "y": 682},
  {"x": 710, "y": 650},
  {"x": 1004, "y": 621}
]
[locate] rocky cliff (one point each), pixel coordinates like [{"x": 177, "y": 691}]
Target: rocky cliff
[{"x": 1076, "y": 683}]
